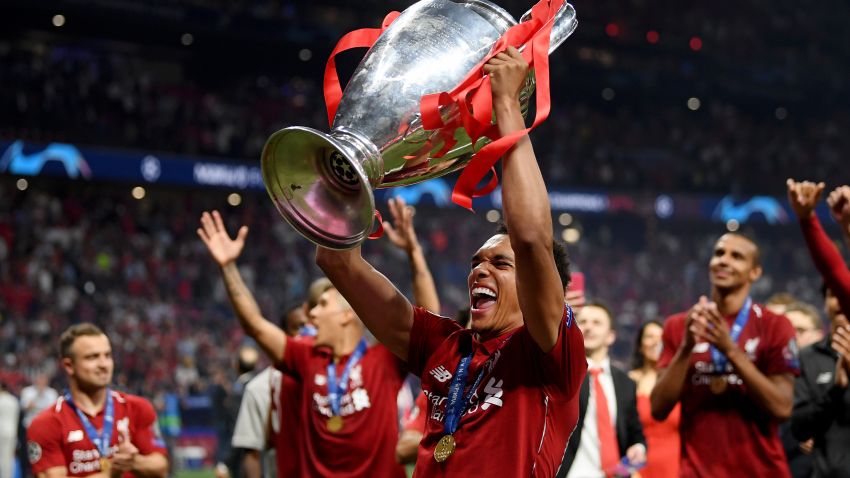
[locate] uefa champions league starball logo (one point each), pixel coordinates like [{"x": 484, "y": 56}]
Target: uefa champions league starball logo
[{"x": 151, "y": 168}]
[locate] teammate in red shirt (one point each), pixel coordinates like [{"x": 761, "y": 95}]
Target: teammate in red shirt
[
  {"x": 731, "y": 363},
  {"x": 348, "y": 388},
  {"x": 515, "y": 374},
  {"x": 92, "y": 430}
]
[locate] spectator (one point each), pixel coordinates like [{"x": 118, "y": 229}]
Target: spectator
[
  {"x": 608, "y": 426},
  {"x": 662, "y": 437},
  {"x": 807, "y": 323},
  {"x": 730, "y": 363},
  {"x": 821, "y": 400},
  {"x": 37, "y": 397},
  {"x": 779, "y": 303},
  {"x": 9, "y": 418},
  {"x": 251, "y": 438},
  {"x": 167, "y": 406}
]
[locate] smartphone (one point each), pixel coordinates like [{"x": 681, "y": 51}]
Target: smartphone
[{"x": 577, "y": 282}]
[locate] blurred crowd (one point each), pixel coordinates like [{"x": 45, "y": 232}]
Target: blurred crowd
[
  {"x": 136, "y": 267},
  {"x": 760, "y": 109}
]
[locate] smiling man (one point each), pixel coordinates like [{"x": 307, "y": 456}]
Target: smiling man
[
  {"x": 93, "y": 430},
  {"x": 731, "y": 363},
  {"x": 502, "y": 395}
]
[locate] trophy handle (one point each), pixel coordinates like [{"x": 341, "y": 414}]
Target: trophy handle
[{"x": 564, "y": 25}]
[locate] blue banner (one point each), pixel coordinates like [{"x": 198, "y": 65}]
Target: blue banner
[{"x": 67, "y": 160}]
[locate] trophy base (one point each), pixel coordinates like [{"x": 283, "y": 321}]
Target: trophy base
[{"x": 318, "y": 184}]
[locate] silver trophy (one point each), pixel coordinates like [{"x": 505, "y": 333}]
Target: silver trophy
[{"x": 322, "y": 183}]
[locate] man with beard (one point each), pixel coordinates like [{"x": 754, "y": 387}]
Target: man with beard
[{"x": 92, "y": 429}]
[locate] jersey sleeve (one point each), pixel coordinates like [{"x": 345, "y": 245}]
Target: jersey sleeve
[
  {"x": 428, "y": 332},
  {"x": 565, "y": 366},
  {"x": 249, "y": 432},
  {"x": 781, "y": 354},
  {"x": 44, "y": 443},
  {"x": 828, "y": 260},
  {"x": 670, "y": 339},
  {"x": 146, "y": 435},
  {"x": 296, "y": 356}
]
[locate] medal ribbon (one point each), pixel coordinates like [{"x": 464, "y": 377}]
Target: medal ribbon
[
  {"x": 457, "y": 405},
  {"x": 104, "y": 440},
  {"x": 718, "y": 358},
  {"x": 336, "y": 390}
]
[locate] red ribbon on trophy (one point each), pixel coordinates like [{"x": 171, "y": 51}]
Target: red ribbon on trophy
[
  {"x": 362, "y": 38},
  {"x": 472, "y": 97}
]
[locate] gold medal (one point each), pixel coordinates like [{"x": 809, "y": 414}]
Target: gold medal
[
  {"x": 104, "y": 465},
  {"x": 445, "y": 448},
  {"x": 718, "y": 384},
  {"x": 335, "y": 423}
]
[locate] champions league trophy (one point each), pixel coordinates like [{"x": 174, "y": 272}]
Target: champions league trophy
[{"x": 322, "y": 183}]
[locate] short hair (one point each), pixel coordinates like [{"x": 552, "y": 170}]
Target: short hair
[
  {"x": 343, "y": 302},
  {"x": 781, "y": 298},
  {"x": 559, "y": 253},
  {"x": 247, "y": 359},
  {"x": 637, "y": 354},
  {"x": 602, "y": 305},
  {"x": 66, "y": 340},
  {"x": 809, "y": 311},
  {"x": 317, "y": 288},
  {"x": 751, "y": 239}
]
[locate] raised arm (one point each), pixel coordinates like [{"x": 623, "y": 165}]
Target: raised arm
[
  {"x": 839, "y": 205},
  {"x": 403, "y": 236},
  {"x": 526, "y": 207},
  {"x": 382, "y": 308},
  {"x": 225, "y": 250},
  {"x": 803, "y": 197}
]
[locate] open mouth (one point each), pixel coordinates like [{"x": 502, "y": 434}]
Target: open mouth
[{"x": 482, "y": 298}]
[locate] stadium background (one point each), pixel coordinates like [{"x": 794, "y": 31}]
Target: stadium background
[{"x": 122, "y": 120}]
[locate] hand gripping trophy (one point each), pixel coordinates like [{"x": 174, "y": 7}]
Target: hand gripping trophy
[{"x": 384, "y": 132}]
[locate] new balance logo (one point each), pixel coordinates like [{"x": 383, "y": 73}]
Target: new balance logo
[
  {"x": 494, "y": 392},
  {"x": 441, "y": 374}
]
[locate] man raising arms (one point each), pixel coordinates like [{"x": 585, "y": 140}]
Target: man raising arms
[
  {"x": 348, "y": 388},
  {"x": 502, "y": 396},
  {"x": 91, "y": 429},
  {"x": 731, "y": 363}
]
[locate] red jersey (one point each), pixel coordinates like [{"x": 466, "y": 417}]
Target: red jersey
[
  {"x": 518, "y": 421},
  {"x": 56, "y": 436},
  {"x": 365, "y": 446},
  {"x": 727, "y": 434},
  {"x": 286, "y": 421}
]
